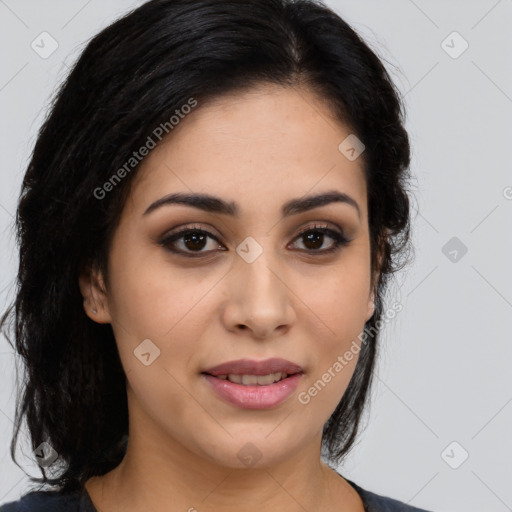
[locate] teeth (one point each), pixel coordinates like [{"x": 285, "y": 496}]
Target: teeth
[{"x": 252, "y": 380}]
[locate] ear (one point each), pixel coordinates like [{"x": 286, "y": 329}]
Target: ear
[
  {"x": 371, "y": 305},
  {"x": 92, "y": 287},
  {"x": 373, "y": 284}
]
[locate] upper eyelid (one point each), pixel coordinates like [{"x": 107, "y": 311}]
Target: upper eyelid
[
  {"x": 186, "y": 228},
  {"x": 315, "y": 226},
  {"x": 179, "y": 233}
]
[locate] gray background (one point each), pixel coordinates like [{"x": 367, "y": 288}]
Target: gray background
[{"x": 444, "y": 371}]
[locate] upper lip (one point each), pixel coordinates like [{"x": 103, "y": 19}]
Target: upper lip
[{"x": 253, "y": 367}]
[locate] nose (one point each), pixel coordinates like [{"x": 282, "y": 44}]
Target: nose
[{"x": 260, "y": 299}]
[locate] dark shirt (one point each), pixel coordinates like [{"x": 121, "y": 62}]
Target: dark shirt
[{"x": 56, "y": 501}]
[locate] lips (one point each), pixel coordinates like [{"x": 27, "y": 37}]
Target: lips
[
  {"x": 254, "y": 367},
  {"x": 253, "y": 397},
  {"x": 246, "y": 393}
]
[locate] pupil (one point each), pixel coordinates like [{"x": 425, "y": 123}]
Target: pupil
[
  {"x": 196, "y": 239},
  {"x": 311, "y": 238}
]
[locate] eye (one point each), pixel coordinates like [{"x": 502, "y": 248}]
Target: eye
[
  {"x": 313, "y": 238},
  {"x": 191, "y": 241}
]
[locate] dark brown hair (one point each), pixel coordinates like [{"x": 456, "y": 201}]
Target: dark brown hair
[{"x": 131, "y": 78}]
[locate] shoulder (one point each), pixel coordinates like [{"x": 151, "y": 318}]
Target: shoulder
[
  {"x": 377, "y": 503},
  {"x": 44, "y": 501}
]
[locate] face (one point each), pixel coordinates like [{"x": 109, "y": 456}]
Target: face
[{"x": 190, "y": 289}]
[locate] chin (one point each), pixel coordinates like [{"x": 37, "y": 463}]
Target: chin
[{"x": 250, "y": 452}]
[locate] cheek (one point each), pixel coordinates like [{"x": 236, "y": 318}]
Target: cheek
[
  {"x": 150, "y": 295},
  {"x": 325, "y": 387},
  {"x": 162, "y": 311},
  {"x": 336, "y": 317},
  {"x": 338, "y": 298},
  {"x": 336, "y": 332},
  {"x": 157, "y": 317},
  {"x": 338, "y": 326}
]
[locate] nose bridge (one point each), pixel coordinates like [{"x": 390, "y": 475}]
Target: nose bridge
[
  {"x": 257, "y": 266},
  {"x": 261, "y": 295}
]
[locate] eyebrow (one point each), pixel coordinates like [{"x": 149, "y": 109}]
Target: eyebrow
[{"x": 213, "y": 204}]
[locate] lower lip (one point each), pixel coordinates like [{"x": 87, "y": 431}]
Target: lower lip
[{"x": 254, "y": 397}]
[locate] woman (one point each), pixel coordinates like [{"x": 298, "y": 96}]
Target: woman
[{"x": 207, "y": 226}]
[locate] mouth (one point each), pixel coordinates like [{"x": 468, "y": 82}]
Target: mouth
[
  {"x": 250, "y": 384},
  {"x": 270, "y": 368},
  {"x": 253, "y": 396},
  {"x": 253, "y": 380}
]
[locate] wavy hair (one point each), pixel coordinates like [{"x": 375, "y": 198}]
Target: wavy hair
[{"x": 130, "y": 78}]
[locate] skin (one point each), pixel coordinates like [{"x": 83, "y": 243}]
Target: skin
[{"x": 259, "y": 148}]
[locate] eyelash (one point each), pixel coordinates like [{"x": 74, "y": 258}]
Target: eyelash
[{"x": 339, "y": 240}]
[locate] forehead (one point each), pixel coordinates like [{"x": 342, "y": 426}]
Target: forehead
[{"x": 258, "y": 148}]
